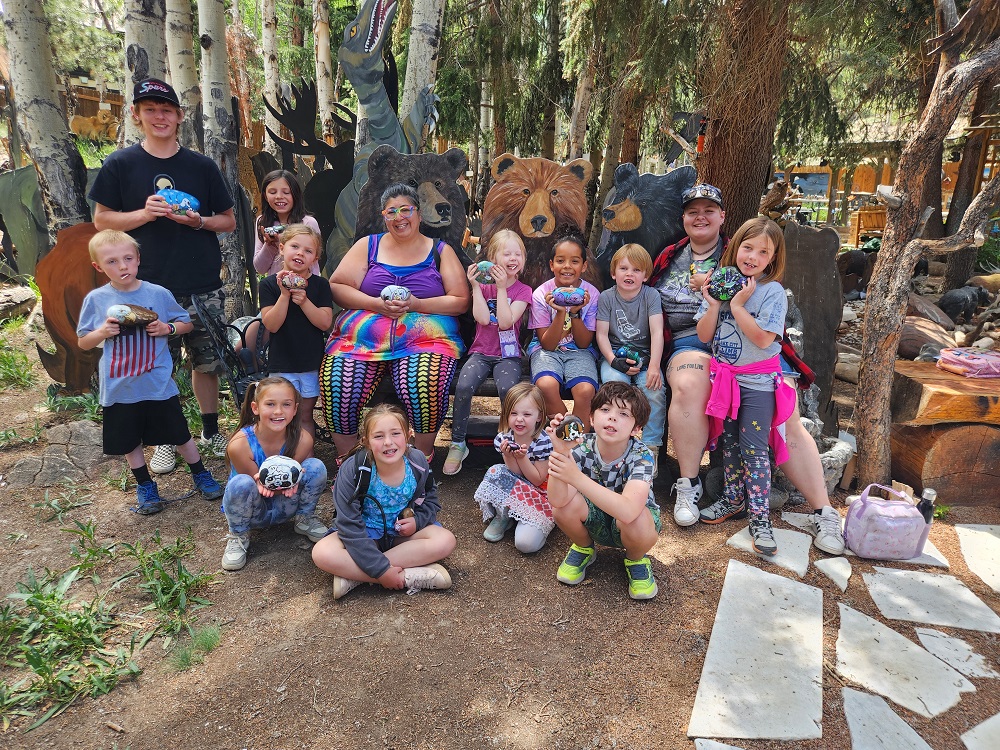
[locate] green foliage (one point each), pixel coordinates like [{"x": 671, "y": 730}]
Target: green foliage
[
  {"x": 15, "y": 368},
  {"x": 988, "y": 258},
  {"x": 203, "y": 640},
  {"x": 87, "y": 404},
  {"x": 81, "y": 42},
  {"x": 58, "y": 503},
  {"x": 10, "y": 437},
  {"x": 56, "y": 647},
  {"x": 941, "y": 511},
  {"x": 94, "y": 154}
]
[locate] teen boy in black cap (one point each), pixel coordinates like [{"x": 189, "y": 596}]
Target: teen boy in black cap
[{"x": 180, "y": 251}]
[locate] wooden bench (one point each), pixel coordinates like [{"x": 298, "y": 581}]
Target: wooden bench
[
  {"x": 946, "y": 433},
  {"x": 867, "y": 222}
]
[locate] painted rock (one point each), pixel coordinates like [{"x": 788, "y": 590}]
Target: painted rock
[
  {"x": 725, "y": 282},
  {"x": 704, "y": 266},
  {"x": 631, "y": 353},
  {"x": 571, "y": 428},
  {"x": 280, "y": 473},
  {"x": 394, "y": 293},
  {"x": 568, "y": 296},
  {"x": 291, "y": 281},
  {"x": 273, "y": 231},
  {"x": 179, "y": 200},
  {"x": 132, "y": 315},
  {"x": 483, "y": 275}
]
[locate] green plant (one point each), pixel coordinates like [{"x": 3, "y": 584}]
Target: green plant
[
  {"x": 11, "y": 436},
  {"x": 120, "y": 480},
  {"x": 88, "y": 552},
  {"x": 203, "y": 640},
  {"x": 15, "y": 368},
  {"x": 60, "y": 503},
  {"x": 86, "y": 403},
  {"x": 940, "y": 511},
  {"x": 13, "y": 323}
]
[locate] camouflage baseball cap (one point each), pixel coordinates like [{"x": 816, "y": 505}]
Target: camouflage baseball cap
[{"x": 706, "y": 191}]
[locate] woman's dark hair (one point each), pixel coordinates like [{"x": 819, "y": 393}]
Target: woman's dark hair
[
  {"x": 267, "y": 214},
  {"x": 400, "y": 190}
]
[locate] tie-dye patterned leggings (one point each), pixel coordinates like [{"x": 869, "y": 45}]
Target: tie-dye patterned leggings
[
  {"x": 422, "y": 382},
  {"x": 745, "y": 460}
]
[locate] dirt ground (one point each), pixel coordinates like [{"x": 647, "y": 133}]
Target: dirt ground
[{"x": 508, "y": 658}]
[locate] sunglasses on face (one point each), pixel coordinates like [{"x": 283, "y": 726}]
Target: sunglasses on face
[{"x": 401, "y": 211}]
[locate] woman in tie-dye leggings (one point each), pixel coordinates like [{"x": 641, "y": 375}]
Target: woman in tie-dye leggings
[{"x": 415, "y": 338}]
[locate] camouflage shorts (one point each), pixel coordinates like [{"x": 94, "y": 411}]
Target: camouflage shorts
[{"x": 198, "y": 344}]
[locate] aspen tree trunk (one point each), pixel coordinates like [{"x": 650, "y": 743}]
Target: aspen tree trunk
[
  {"x": 272, "y": 82},
  {"x": 422, "y": 58},
  {"x": 237, "y": 41},
  {"x": 220, "y": 138},
  {"x": 324, "y": 65},
  {"x": 901, "y": 248},
  {"x": 145, "y": 53},
  {"x": 620, "y": 104},
  {"x": 62, "y": 177},
  {"x": 183, "y": 71},
  {"x": 581, "y": 103}
]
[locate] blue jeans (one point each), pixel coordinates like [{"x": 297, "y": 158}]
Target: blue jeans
[
  {"x": 246, "y": 508},
  {"x": 652, "y": 433}
]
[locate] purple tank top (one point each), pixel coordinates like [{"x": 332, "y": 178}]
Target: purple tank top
[{"x": 423, "y": 279}]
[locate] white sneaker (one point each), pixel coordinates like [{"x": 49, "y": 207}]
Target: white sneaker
[
  {"x": 655, "y": 450},
  {"x": 343, "y": 585},
  {"x": 310, "y": 526},
  {"x": 457, "y": 453},
  {"x": 426, "y": 577},
  {"x": 826, "y": 527},
  {"x": 235, "y": 556},
  {"x": 686, "y": 504},
  {"x": 164, "y": 459}
]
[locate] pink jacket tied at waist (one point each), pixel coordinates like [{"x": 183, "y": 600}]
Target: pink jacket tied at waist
[{"x": 724, "y": 401}]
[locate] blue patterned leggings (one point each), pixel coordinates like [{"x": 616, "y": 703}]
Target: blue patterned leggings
[
  {"x": 745, "y": 459},
  {"x": 246, "y": 508}
]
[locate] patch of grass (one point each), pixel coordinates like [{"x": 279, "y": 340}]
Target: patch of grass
[
  {"x": 203, "y": 640},
  {"x": 11, "y": 437},
  {"x": 94, "y": 154},
  {"x": 13, "y": 323},
  {"x": 941, "y": 511},
  {"x": 121, "y": 480},
  {"x": 56, "y": 648},
  {"x": 15, "y": 368},
  {"x": 58, "y": 503},
  {"x": 87, "y": 404}
]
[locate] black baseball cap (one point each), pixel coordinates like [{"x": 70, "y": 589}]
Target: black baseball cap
[
  {"x": 154, "y": 88},
  {"x": 706, "y": 191}
]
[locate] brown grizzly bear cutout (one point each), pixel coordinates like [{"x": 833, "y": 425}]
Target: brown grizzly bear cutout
[
  {"x": 64, "y": 277},
  {"x": 535, "y": 198}
]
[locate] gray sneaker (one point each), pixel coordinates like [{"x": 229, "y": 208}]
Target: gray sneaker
[
  {"x": 686, "y": 504},
  {"x": 235, "y": 556},
  {"x": 762, "y": 537},
  {"x": 826, "y": 527},
  {"x": 311, "y": 527},
  {"x": 722, "y": 510}
]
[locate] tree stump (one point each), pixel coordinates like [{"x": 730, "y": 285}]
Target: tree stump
[
  {"x": 961, "y": 462},
  {"x": 924, "y": 394}
]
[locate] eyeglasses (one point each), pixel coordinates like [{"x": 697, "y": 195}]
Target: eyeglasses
[
  {"x": 401, "y": 211},
  {"x": 707, "y": 191}
]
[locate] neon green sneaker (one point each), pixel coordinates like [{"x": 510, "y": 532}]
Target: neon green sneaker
[
  {"x": 574, "y": 567},
  {"x": 641, "y": 584}
]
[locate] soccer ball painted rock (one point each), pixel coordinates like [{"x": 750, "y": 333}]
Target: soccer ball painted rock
[
  {"x": 132, "y": 315},
  {"x": 292, "y": 281},
  {"x": 395, "y": 293},
  {"x": 483, "y": 275},
  {"x": 568, "y": 296},
  {"x": 280, "y": 473},
  {"x": 631, "y": 353},
  {"x": 725, "y": 282},
  {"x": 571, "y": 428},
  {"x": 179, "y": 201}
]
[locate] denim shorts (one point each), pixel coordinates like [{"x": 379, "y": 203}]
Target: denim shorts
[
  {"x": 689, "y": 344},
  {"x": 306, "y": 383}
]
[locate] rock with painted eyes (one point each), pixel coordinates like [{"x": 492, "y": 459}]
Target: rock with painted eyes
[
  {"x": 280, "y": 473},
  {"x": 179, "y": 201},
  {"x": 725, "y": 283},
  {"x": 630, "y": 356},
  {"x": 132, "y": 315},
  {"x": 292, "y": 281},
  {"x": 272, "y": 232},
  {"x": 483, "y": 275},
  {"x": 570, "y": 429},
  {"x": 568, "y": 296},
  {"x": 395, "y": 293}
]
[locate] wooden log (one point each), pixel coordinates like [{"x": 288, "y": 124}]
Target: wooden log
[
  {"x": 961, "y": 462},
  {"x": 924, "y": 394}
]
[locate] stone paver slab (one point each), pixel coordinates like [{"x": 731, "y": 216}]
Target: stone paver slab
[
  {"x": 985, "y": 736},
  {"x": 713, "y": 745},
  {"x": 793, "y": 549},
  {"x": 956, "y": 653},
  {"x": 881, "y": 660},
  {"x": 875, "y": 726},
  {"x": 762, "y": 677},
  {"x": 837, "y": 569},
  {"x": 929, "y": 598},
  {"x": 981, "y": 550}
]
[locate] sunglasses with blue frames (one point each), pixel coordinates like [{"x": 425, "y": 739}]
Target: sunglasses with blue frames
[{"x": 400, "y": 211}]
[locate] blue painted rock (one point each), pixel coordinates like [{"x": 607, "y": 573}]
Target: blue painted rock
[
  {"x": 571, "y": 428},
  {"x": 483, "y": 275},
  {"x": 394, "y": 293},
  {"x": 631, "y": 353},
  {"x": 570, "y": 296},
  {"x": 292, "y": 281},
  {"x": 280, "y": 473},
  {"x": 725, "y": 282},
  {"x": 179, "y": 201},
  {"x": 132, "y": 315}
]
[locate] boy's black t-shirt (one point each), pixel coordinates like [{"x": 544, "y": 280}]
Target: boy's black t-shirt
[
  {"x": 298, "y": 345},
  {"x": 182, "y": 259}
]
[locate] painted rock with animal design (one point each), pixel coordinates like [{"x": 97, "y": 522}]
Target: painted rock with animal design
[
  {"x": 132, "y": 315},
  {"x": 279, "y": 473}
]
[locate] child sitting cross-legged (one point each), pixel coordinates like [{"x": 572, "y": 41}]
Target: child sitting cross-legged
[{"x": 601, "y": 491}]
